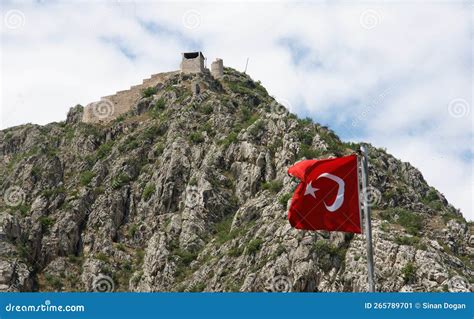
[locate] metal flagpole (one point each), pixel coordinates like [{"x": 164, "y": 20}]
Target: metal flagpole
[
  {"x": 246, "y": 64},
  {"x": 368, "y": 225}
]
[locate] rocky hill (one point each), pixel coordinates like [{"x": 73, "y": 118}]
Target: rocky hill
[{"x": 188, "y": 192}]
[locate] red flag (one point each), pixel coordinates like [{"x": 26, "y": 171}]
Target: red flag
[{"x": 328, "y": 195}]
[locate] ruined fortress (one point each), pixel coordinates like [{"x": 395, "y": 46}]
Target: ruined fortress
[{"x": 112, "y": 106}]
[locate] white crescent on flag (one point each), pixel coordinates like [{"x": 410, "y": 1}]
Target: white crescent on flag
[{"x": 340, "y": 192}]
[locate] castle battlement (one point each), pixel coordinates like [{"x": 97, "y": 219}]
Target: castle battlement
[{"x": 112, "y": 106}]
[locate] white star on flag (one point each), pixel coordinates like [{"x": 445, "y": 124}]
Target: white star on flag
[{"x": 310, "y": 190}]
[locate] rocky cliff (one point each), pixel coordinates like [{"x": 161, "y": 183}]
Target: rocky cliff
[{"x": 188, "y": 191}]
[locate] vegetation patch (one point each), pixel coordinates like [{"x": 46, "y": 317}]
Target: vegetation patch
[
  {"x": 253, "y": 246},
  {"x": 273, "y": 186},
  {"x": 196, "y": 138},
  {"x": 148, "y": 191},
  {"x": 158, "y": 108},
  {"x": 86, "y": 177},
  {"x": 104, "y": 150},
  {"x": 207, "y": 109},
  {"x": 149, "y": 91},
  {"x": 328, "y": 254},
  {"x": 46, "y": 223},
  {"x": 412, "y": 222},
  {"x": 119, "y": 180},
  {"x": 256, "y": 128},
  {"x": 229, "y": 139},
  {"x": 409, "y": 273},
  {"x": 283, "y": 200},
  {"x": 408, "y": 240}
]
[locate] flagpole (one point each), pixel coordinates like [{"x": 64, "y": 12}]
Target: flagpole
[{"x": 368, "y": 225}]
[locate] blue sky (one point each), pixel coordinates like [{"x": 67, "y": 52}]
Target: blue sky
[{"x": 398, "y": 75}]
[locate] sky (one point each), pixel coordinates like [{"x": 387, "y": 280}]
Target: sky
[{"x": 397, "y": 74}]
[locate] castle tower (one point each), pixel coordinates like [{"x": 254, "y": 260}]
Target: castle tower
[
  {"x": 192, "y": 62},
  {"x": 217, "y": 68}
]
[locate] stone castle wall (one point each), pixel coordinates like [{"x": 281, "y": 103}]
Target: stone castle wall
[
  {"x": 192, "y": 62},
  {"x": 217, "y": 69},
  {"x": 112, "y": 106}
]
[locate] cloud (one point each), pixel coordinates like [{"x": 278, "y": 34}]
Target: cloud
[{"x": 397, "y": 74}]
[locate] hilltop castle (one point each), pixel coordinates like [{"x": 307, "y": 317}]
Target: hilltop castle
[{"x": 112, "y": 106}]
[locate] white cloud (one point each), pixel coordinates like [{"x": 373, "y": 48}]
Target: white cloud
[{"x": 393, "y": 67}]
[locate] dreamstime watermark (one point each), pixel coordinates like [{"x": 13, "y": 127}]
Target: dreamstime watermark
[
  {"x": 14, "y": 19},
  {"x": 281, "y": 283},
  {"x": 47, "y": 306},
  {"x": 458, "y": 108},
  {"x": 372, "y": 196},
  {"x": 14, "y": 196},
  {"x": 192, "y": 19},
  {"x": 372, "y": 105},
  {"x": 103, "y": 109},
  {"x": 193, "y": 197},
  {"x": 369, "y": 19},
  {"x": 103, "y": 283}
]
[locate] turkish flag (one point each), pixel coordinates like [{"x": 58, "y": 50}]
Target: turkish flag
[{"x": 328, "y": 195}]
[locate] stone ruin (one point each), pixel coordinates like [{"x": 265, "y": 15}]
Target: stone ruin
[{"x": 112, "y": 106}]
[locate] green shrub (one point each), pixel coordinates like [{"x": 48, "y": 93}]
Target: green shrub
[
  {"x": 23, "y": 209},
  {"x": 185, "y": 256},
  {"x": 132, "y": 230},
  {"x": 432, "y": 195},
  {"x": 256, "y": 128},
  {"x": 104, "y": 150},
  {"x": 231, "y": 138},
  {"x": 280, "y": 250},
  {"x": 327, "y": 253},
  {"x": 53, "y": 192},
  {"x": 46, "y": 222},
  {"x": 235, "y": 251},
  {"x": 409, "y": 273},
  {"x": 305, "y": 122},
  {"x": 275, "y": 145},
  {"x": 410, "y": 221},
  {"x": 153, "y": 131},
  {"x": 139, "y": 256},
  {"x": 159, "y": 106},
  {"x": 223, "y": 230},
  {"x": 207, "y": 109},
  {"x": 305, "y": 137},
  {"x": 102, "y": 257},
  {"x": 208, "y": 128},
  {"x": 53, "y": 282},
  {"x": 159, "y": 148},
  {"x": 196, "y": 137},
  {"x": 273, "y": 186},
  {"x": 130, "y": 143},
  {"x": 308, "y": 152},
  {"x": 86, "y": 177},
  {"x": 149, "y": 91},
  {"x": 119, "y": 180},
  {"x": 193, "y": 181},
  {"x": 36, "y": 172},
  {"x": 239, "y": 87},
  {"x": 408, "y": 240},
  {"x": 254, "y": 245},
  {"x": 284, "y": 199},
  {"x": 148, "y": 191}
]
